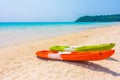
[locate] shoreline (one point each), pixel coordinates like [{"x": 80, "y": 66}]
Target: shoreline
[
  {"x": 21, "y": 58},
  {"x": 11, "y": 36},
  {"x": 50, "y": 37}
]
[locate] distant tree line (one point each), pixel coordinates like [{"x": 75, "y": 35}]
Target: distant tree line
[{"x": 99, "y": 18}]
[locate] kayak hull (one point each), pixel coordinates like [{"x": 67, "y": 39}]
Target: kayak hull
[{"x": 76, "y": 56}]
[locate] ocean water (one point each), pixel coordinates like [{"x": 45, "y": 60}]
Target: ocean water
[{"x": 16, "y": 32}]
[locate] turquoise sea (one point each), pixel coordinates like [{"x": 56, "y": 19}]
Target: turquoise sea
[
  {"x": 17, "y": 32},
  {"x": 49, "y": 26}
]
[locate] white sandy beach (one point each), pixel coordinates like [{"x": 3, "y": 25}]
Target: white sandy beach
[{"x": 19, "y": 62}]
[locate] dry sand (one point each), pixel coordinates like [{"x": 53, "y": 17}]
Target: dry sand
[{"x": 19, "y": 62}]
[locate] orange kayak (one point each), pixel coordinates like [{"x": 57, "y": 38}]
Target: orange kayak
[{"x": 75, "y": 56}]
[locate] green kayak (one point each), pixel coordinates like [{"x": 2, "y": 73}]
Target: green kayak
[{"x": 83, "y": 48}]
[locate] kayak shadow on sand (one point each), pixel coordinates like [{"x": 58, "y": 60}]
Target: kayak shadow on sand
[
  {"x": 94, "y": 67},
  {"x": 89, "y": 65}
]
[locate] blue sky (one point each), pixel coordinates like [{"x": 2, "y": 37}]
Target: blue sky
[{"x": 54, "y": 10}]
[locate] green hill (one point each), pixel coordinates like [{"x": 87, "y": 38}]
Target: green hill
[{"x": 99, "y": 18}]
